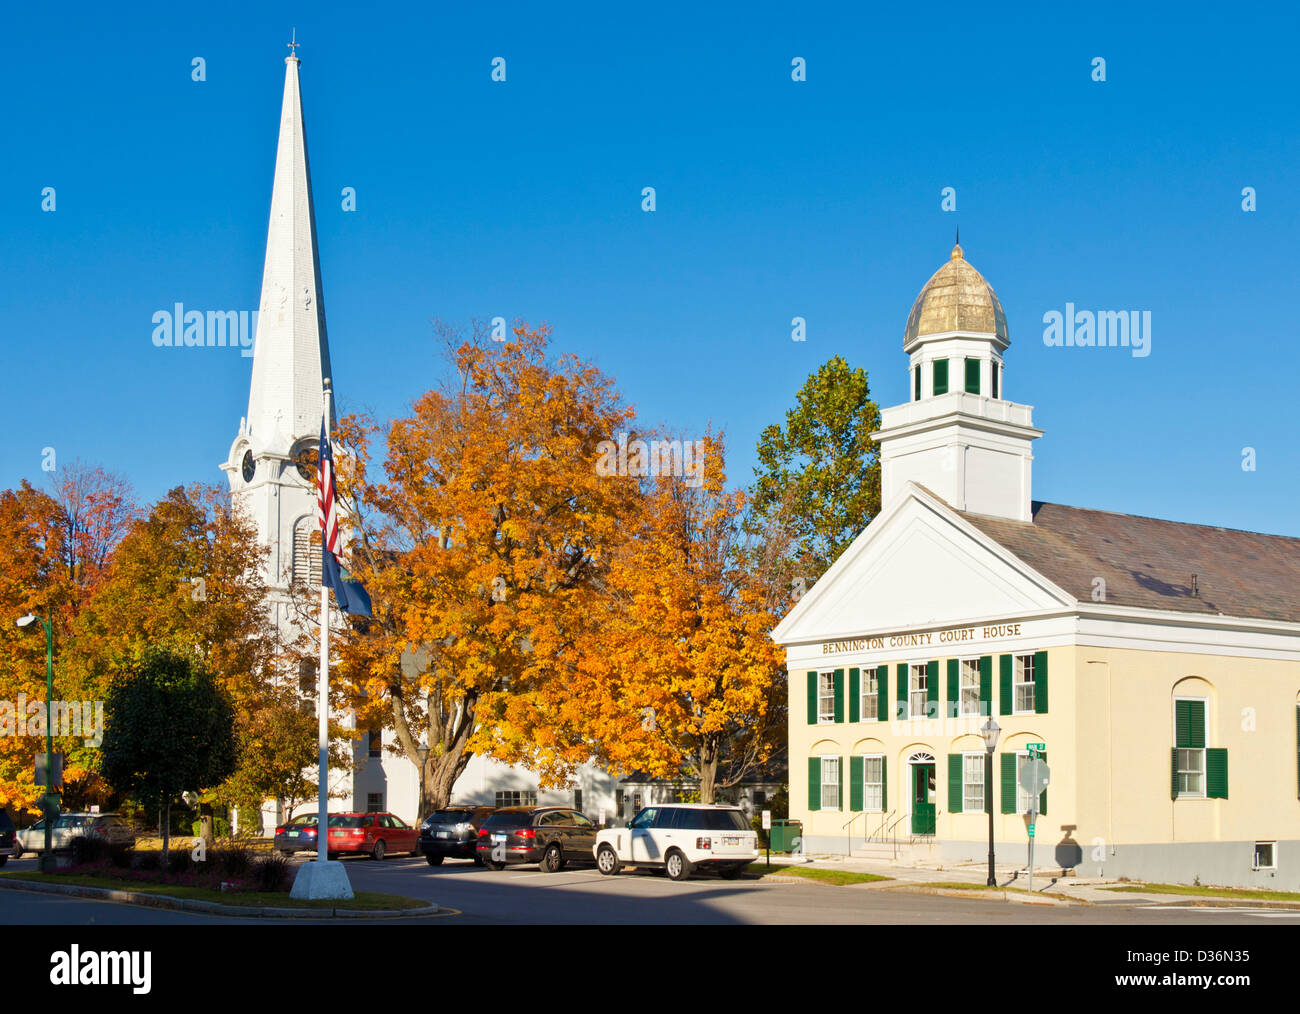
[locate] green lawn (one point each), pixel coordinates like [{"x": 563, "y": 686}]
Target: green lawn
[
  {"x": 814, "y": 873},
  {"x": 364, "y": 900},
  {"x": 1208, "y": 892}
]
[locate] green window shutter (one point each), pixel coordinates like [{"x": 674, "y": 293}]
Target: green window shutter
[
  {"x": 1042, "y": 798},
  {"x": 855, "y": 783},
  {"x": 1005, "y": 699},
  {"x": 916, "y": 383},
  {"x": 884, "y": 786},
  {"x": 900, "y": 705},
  {"x": 812, "y": 698},
  {"x": 972, "y": 376},
  {"x": 954, "y": 783},
  {"x": 882, "y": 693},
  {"x": 814, "y": 783},
  {"x": 855, "y": 695},
  {"x": 994, "y": 370},
  {"x": 839, "y": 783},
  {"x": 940, "y": 375},
  {"x": 1173, "y": 773},
  {"x": 839, "y": 696},
  {"x": 1189, "y": 724},
  {"x": 932, "y": 688},
  {"x": 954, "y": 689},
  {"x": 1216, "y": 773},
  {"x": 1008, "y": 783},
  {"x": 1040, "y": 682},
  {"x": 986, "y": 684}
]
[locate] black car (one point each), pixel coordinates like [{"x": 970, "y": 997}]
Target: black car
[
  {"x": 8, "y": 836},
  {"x": 551, "y": 836},
  {"x": 452, "y": 831},
  {"x": 297, "y": 835}
]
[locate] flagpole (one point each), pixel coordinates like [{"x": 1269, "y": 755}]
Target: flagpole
[{"x": 323, "y": 703}]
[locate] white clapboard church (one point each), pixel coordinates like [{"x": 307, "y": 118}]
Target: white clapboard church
[{"x": 270, "y": 479}]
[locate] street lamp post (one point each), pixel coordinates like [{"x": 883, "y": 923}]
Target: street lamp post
[
  {"x": 990, "y": 732},
  {"x": 423, "y": 751},
  {"x": 50, "y": 801}
]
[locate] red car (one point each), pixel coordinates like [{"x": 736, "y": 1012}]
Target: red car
[{"x": 372, "y": 834}]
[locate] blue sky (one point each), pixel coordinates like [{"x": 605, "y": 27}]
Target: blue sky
[{"x": 775, "y": 199}]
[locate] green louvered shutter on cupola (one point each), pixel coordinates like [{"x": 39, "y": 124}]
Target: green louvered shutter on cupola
[
  {"x": 1008, "y": 783},
  {"x": 814, "y": 783},
  {"x": 884, "y": 785},
  {"x": 1216, "y": 773},
  {"x": 855, "y": 784},
  {"x": 855, "y": 695},
  {"x": 882, "y": 694},
  {"x": 812, "y": 698},
  {"x": 986, "y": 684},
  {"x": 972, "y": 375},
  {"x": 1005, "y": 700},
  {"x": 900, "y": 705},
  {"x": 1040, "y": 682},
  {"x": 932, "y": 689},
  {"x": 940, "y": 376},
  {"x": 954, "y": 783},
  {"x": 839, "y": 696},
  {"x": 954, "y": 689}
]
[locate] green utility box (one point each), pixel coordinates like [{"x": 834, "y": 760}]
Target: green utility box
[{"x": 785, "y": 834}]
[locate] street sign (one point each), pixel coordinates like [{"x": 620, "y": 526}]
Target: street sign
[
  {"x": 767, "y": 820},
  {"x": 58, "y": 769},
  {"x": 1034, "y": 777},
  {"x": 1036, "y": 748},
  {"x": 1031, "y": 830}
]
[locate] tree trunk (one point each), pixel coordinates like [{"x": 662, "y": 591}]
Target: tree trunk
[{"x": 708, "y": 770}]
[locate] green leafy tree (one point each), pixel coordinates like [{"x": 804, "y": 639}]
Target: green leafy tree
[
  {"x": 818, "y": 481},
  {"x": 170, "y": 728}
]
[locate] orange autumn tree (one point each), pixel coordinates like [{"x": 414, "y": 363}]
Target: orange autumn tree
[
  {"x": 481, "y": 553},
  {"x": 679, "y": 676}
]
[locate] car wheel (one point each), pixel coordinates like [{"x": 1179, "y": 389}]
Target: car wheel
[
  {"x": 478, "y": 860},
  {"x": 677, "y": 866},
  {"x": 378, "y": 852},
  {"x": 731, "y": 872},
  {"x": 495, "y": 867},
  {"x": 17, "y": 853},
  {"x": 434, "y": 860},
  {"x": 607, "y": 861},
  {"x": 552, "y": 859}
]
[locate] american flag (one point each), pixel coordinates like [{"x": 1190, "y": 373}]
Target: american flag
[{"x": 348, "y": 592}]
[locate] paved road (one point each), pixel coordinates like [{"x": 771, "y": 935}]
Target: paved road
[{"x": 525, "y": 896}]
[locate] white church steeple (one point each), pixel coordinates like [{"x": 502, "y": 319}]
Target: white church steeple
[
  {"x": 957, "y": 435},
  {"x": 291, "y": 361}
]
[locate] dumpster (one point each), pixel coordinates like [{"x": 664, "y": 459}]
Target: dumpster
[{"x": 785, "y": 835}]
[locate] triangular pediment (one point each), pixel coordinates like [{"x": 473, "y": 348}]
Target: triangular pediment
[{"x": 918, "y": 564}]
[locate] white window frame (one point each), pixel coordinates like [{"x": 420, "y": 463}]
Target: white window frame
[
  {"x": 918, "y": 678},
  {"x": 1022, "y": 797},
  {"x": 981, "y": 759},
  {"x": 833, "y": 762},
  {"x": 962, "y": 688},
  {"x": 868, "y": 785},
  {"x": 824, "y": 716},
  {"x": 1255, "y": 863},
  {"x": 1202, "y": 750},
  {"x": 869, "y": 673},
  {"x": 1017, "y": 682}
]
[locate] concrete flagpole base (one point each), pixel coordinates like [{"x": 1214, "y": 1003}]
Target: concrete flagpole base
[{"x": 318, "y": 881}]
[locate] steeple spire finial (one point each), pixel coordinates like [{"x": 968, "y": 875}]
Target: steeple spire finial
[{"x": 293, "y": 45}]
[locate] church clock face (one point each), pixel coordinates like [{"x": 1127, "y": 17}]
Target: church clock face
[
  {"x": 249, "y": 466},
  {"x": 306, "y": 462}
]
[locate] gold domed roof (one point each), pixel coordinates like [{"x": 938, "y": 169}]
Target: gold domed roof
[{"x": 956, "y": 298}]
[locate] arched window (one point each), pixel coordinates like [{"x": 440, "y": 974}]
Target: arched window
[{"x": 306, "y": 551}]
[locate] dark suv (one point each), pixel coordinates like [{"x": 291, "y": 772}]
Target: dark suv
[
  {"x": 452, "y": 831},
  {"x": 8, "y": 835},
  {"x": 551, "y": 836}
]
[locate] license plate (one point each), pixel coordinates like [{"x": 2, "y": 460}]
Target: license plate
[
  {"x": 730, "y": 841},
  {"x": 443, "y": 834},
  {"x": 293, "y": 834},
  {"x": 498, "y": 837}
]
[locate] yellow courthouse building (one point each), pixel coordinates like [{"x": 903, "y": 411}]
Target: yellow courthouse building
[{"x": 1157, "y": 663}]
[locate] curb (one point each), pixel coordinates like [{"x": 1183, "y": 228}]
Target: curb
[
  {"x": 991, "y": 895},
  {"x": 210, "y": 907}
]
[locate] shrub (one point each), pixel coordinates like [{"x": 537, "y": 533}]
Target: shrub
[
  {"x": 233, "y": 858},
  {"x": 220, "y": 828},
  {"x": 270, "y": 873},
  {"x": 149, "y": 860},
  {"x": 178, "y": 860},
  {"x": 88, "y": 850}
]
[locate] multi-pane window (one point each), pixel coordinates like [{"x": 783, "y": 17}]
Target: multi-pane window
[
  {"x": 873, "y": 778},
  {"x": 826, "y": 697},
  {"x": 375, "y": 747},
  {"x": 1265, "y": 855},
  {"x": 1024, "y": 683},
  {"x": 1189, "y": 747},
  {"x": 972, "y": 782},
  {"x": 870, "y": 692},
  {"x": 970, "y": 686},
  {"x": 1023, "y": 798},
  {"x": 516, "y": 797},
  {"x": 374, "y": 802},
  {"x": 919, "y": 691},
  {"x": 830, "y": 783},
  {"x": 577, "y": 799}
]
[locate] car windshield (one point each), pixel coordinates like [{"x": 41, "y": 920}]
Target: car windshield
[
  {"x": 72, "y": 822},
  {"x": 303, "y": 821},
  {"x": 349, "y": 821},
  {"x": 506, "y": 821},
  {"x": 448, "y": 817}
]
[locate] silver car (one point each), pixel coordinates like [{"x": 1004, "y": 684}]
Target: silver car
[{"x": 108, "y": 826}]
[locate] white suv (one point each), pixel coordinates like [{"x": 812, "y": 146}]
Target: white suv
[{"x": 680, "y": 837}]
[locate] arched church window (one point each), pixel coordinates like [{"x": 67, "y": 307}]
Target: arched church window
[{"x": 306, "y": 551}]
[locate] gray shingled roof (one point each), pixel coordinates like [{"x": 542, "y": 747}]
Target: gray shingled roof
[{"x": 1149, "y": 563}]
